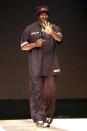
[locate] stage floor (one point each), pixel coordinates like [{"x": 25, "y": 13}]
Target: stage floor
[{"x": 56, "y": 125}]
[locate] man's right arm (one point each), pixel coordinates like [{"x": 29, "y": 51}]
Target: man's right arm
[{"x": 27, "y": 46}]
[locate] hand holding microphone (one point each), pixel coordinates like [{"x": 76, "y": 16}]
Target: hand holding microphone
[{"x": 39, "y": 42}]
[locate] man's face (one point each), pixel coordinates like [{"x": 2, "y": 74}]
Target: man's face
[{"x": 43, "y": 17}]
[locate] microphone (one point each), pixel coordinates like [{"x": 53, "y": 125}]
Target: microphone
[{"x": 40, "y": 35}]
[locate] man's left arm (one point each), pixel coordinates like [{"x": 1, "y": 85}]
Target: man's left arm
[{"x": 56, "y": 35}]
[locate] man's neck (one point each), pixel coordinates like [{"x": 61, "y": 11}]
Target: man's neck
[{"x": 40, "y": 23}]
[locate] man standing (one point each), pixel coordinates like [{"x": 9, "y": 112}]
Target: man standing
[{"x": 40, "y": 40}]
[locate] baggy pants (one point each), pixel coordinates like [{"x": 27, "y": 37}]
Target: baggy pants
[{"x": 42, "y": 97}]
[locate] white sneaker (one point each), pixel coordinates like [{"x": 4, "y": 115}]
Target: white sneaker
[
  {"x": 39, "y": 123},
  {"x": 46, "y": 124}
]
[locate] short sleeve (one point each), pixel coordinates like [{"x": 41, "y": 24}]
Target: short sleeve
[
  {"x": 57, "y": 29},
  {"x": 25, "y": 38}
]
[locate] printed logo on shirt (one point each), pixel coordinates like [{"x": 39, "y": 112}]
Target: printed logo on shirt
[
  {"x": 34, "y": 33},
  {"x": 57, "y": 70}
]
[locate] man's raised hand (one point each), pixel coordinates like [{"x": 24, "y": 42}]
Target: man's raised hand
[{"x": 47, "y": 27}]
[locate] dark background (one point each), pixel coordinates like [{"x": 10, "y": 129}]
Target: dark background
[{"x": 70, "y": 15}]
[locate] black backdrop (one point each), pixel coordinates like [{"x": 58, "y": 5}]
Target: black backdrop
[{"x": 71, "y": 16}]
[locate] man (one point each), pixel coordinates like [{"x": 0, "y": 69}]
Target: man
[{"x": 40, "y": 40}]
